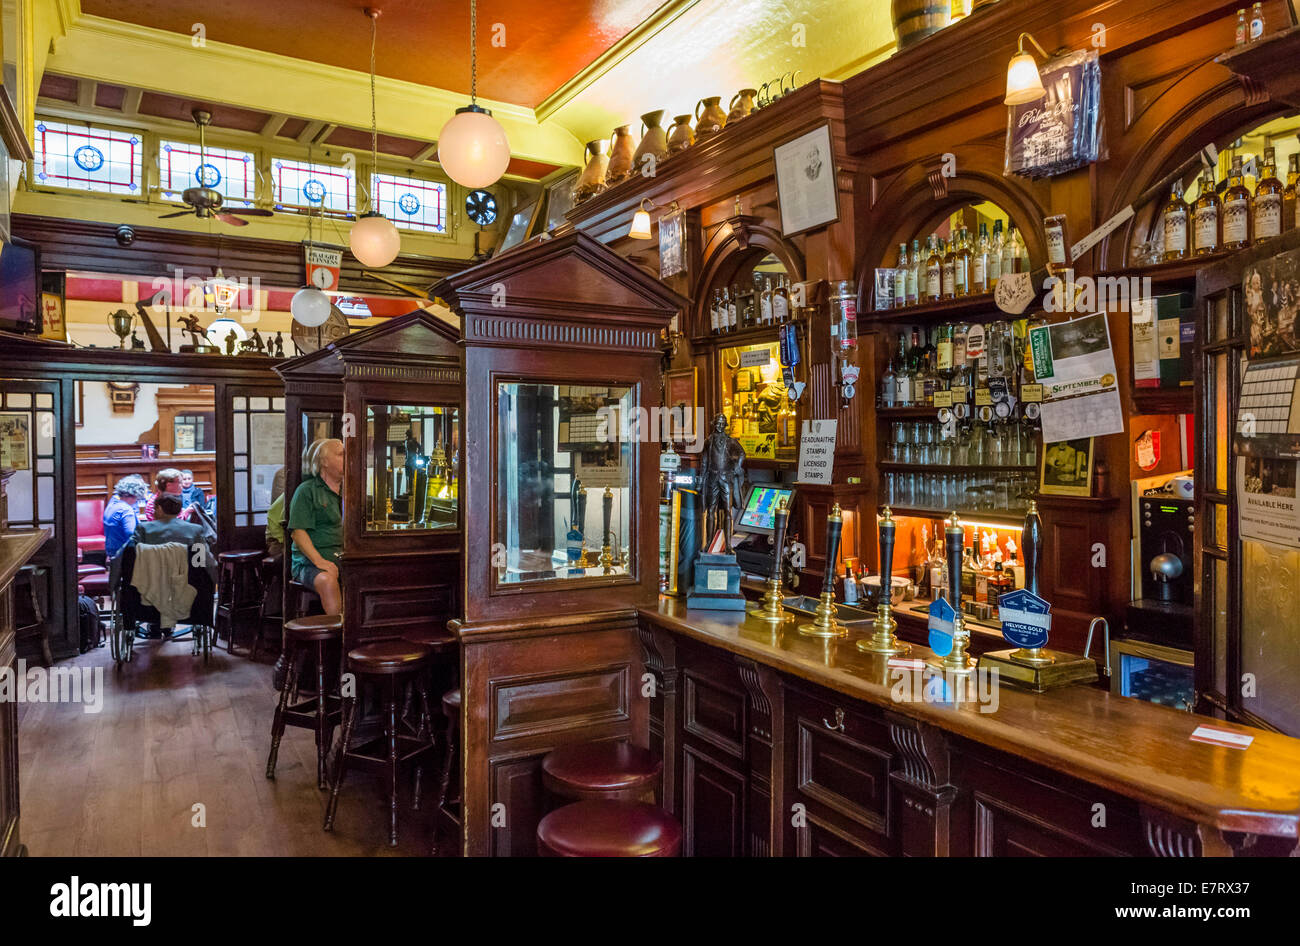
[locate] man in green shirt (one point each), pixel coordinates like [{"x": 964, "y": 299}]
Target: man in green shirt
[{"x": 316, "y": 526}]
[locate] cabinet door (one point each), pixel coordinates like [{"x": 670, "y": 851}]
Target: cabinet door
[{"x": 8, "y": 737}]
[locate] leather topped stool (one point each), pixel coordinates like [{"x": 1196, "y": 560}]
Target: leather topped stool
[
  {"x": 609, "y": 769},
  {"x": 604, "y": 828},
  {"x": 324, "y": 710},
  {"x": 239, "y": 592},
  {"x": 451, "y": 807},
  {"x": 391, "y": 664}
]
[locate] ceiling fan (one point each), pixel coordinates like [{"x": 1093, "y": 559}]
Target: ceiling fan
[{"x": 206, "y": 201}]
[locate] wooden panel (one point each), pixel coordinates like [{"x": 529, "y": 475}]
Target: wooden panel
[
  {"x": 713, "y": 807},
  {"x": 517, "y": 787},
  {"x": 100, "y": 467},
  {"x": 819, "y": 840},
  {"x": 1005, "y": 831},
  {"x": 713, "y": 713},
  {"x": 548, "y": 703},
  {"x": 9, "y": 840}
]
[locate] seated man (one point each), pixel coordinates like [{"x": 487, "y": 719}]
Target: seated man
[
  {"x": 191, "y": 494},
  {"x": 167, "y": 481},
  {"x": 120, "y": 514},
  {"x": 316, "y": 525}
]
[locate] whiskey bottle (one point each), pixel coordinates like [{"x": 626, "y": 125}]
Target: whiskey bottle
[
  {"x": 1291, "y": 206},
  {"x": 943, "y": 355},
  {"x": 732, "y": 315},
  {"x": 948, "y": 262},
  {"x": 1268, "y": 201},
  {"x": 902, "y": 376},
  {"x": 1256, "y": 33},
  {"x": 1242, "y": 33},
  {"x": 715, "y": 321},
  {"x": 933, "y": 272},
  {"x": 1010, "y": 257},
  {"x": 765, "y": 303},
  {"x": 915, "y": 271},
  {"x": 995, "y": 255},
  {"x": 1175, "y": 225},
  {"x": 780, "y": 301},
  {"x": 888, "y": 386},
  {"x": 1236, "y": 210},
  {"x": 979, "y": 278},
  {"x": 1206, "y": 216},
  {"x": 961, "y": 265}
]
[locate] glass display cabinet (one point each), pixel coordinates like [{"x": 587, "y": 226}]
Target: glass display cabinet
[{"x": 393, "y": 394}]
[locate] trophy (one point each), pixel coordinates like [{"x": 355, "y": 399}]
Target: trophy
[
  {"x": 883, "y": 640},
  {"x": 771, "y": 610},
  {"x": 121, "y": 322},
  {"x": 824, "y": 623},
  {"x": 955, "y": 661}
]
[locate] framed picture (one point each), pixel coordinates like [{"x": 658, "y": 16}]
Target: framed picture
[
  {"x": 559, "y": 199},
  {"x": 672, "y": 244},
  {"x": 15, "y": 441},
  {"x": 52, "y": 325},
  {"x": 805, "y": 182},
  {"x": 521, "y": 224},
  {"x": 681, "y": 397},
  {"x": 1066, "y": 468}
]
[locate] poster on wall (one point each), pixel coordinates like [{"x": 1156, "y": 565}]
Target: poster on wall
[
  {"x": 15, "y": 441},
  {"x": 805, "y": 182},
  {"x": 1266, "y": 501},
  {"x": 672, "y": 244},
  {"x": 1271, "y": 293},
  {"x": 1075, "y": 364}
]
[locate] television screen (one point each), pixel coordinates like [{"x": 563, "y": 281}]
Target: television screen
[{"x": 20, "y": 286}]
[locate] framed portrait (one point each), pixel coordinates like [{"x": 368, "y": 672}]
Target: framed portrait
[
  {"x": 805, "y": 182},
  {"x": 521, "y": 224},
  {"x": 559, "y": 199},
  {"x": 681, "y": 398},
  {"x": 672, "y": 244},
  {"x": 1066, "y": 468}
]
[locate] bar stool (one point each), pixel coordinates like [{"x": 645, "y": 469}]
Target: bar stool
[
  {"x": 444, "y": 645},
  {"x": 239, "y": 591},
  {"x": 316, "y": 712},
  {"x": 604, "y": 828},
  {"x": 269, "y": 610},
  {"x": 450, "y": 762},
  {"x": 610, "y": 770},
  {"x": 391, "y": 663}
]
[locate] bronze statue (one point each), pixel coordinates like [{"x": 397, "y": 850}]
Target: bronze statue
[
  {"x": 258, "y": 345},
  {"x": 722, "y": 477},
  {"x": 231, "y": 340},
  {"x": 194, "y": 330},
  {"x": 279, "y": 345}
]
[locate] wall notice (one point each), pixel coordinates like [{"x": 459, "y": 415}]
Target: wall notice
[
  {"x": 817, "y": 451},
  {"x": 1266, "y": 501}
]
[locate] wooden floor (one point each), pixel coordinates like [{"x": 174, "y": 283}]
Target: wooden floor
[{"x": 173, "y": 734}]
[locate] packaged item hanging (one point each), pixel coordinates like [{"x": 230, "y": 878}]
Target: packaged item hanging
[{"x": 1065, "y": 129}]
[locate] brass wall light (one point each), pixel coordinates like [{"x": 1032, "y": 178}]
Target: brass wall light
[
  {"x": 1024, "y": 84},
  {"x": 640, "y": 229}
]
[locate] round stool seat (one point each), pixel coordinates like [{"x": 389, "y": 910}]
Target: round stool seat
[
  {"x": 451, "y": 701},
  {"x": 439, "y": 639},
  {"x": 96, "y": 585},
  {"x": 83, "y": 570},
  {"x": 600, "y": 769},
  {"x": 241, "y": 558},
  {"x": 315, "y": 627},
  {"x": 397, "y": 656},
  {"x": 602, "y": 828}
]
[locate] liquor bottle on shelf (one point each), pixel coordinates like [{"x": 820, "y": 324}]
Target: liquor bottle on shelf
[
  {"x": 715, "y": 312},
  {"x": 916, "y": 362},
  {"x": 900, "y": 277},
  {"x": 765, "y": 302},
  {"x": 961, "y": 265},
  {"x": 1236, "y": 210},
  {"x": 1205, "y": 216},
  {"x": 915, "y": 272},
  {"x": 995, "y": 255},
  {"x": 751, "y": 420},
  {"x": 1010, "y": 258},
  {"x": 1291, "y": 206},
  {"x": 979, "y": 278},
  {"x": 1242, "y": 29},
  {"x": 929, "y": 380},
  {"x": 791, "y": 424},
  {"x": 933, "y": 272},
  {"x": 948, "y": 260},
  {"x": 943, "y": 355},
  {"x": 1022, "y": 254},
  {"x": 888, "y": 386},
  {"x": 1256, "y": 27},
  {"x": 1175, "y": 224},
  {"x": 902, "y": 376},
  {"x": 733, "y": 322},
  {"x": 780, "y": 301},
  {"x": 1268, "y": 200}
]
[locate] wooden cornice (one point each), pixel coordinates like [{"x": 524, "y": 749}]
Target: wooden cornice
[
  {"x": 91, "y": 246},
  {"x": 36, "y": 357}
]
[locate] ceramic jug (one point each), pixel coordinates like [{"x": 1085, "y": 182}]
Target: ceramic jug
[
  {"x": 742, "y": 103},
  {"x": 711, "y": 120},
  {"x": 592, "y": 179},
  {"x": 680, "y": 136},
  {"x": 654, "y": 140},
  {"x": 621, "y": 151}
]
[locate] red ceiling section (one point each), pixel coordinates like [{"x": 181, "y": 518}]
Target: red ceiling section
[
  {"x": 357, "y": 139},
  {"x": 109, "y": 96},
  {"x": 292, "y": 128},
  {"x": 179, "y": 109},
  {"x": 533, "y": 170},
  {"x": 62, "y": 88},
  {"x": 422, "y": 42}
]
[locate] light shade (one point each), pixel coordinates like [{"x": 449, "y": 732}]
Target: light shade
[
  {"x": 472, "y": 148},
  {"x": 1024, "y": 84},
  {"x": 374, "y": 240},
  {"x": 219, "y": 329},
  {"x": 220, "y": 291},
  {"x": 640, "y": 226},
  {"x": 310, "y": 307}
]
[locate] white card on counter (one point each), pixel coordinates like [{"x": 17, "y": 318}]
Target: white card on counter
[{"x": 1222, "y": 737}]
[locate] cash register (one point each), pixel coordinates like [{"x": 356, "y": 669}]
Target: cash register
[{"x": 755, "y": 552}]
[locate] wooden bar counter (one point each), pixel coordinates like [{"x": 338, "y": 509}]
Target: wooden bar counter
[{"x": 779, "y": 744}]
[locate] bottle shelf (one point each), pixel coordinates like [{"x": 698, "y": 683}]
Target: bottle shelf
[
  {"x": 947, "y": 310},
  {"x": 890, "y": 466},
  {"x": 905, "y": 412},
  {"x": 1170, "y": 274},
  {"x": 998, "y": 517}
]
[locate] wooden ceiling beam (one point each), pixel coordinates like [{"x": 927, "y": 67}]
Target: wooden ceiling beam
[
  {"x": 86, "y": 91},
  {"x": 273, "y": 125},
  {"x": 310, "y": 133},
  {"x": 427, "y": 153},
  {"x": 131, "y": 103}
]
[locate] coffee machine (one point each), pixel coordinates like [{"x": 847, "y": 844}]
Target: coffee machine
[{"x": 1166, "y": 530}]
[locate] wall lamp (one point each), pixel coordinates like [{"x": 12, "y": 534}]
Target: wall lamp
[
  {"x": 640, "y": 229},
  {"x": 1024, "y": 84}
]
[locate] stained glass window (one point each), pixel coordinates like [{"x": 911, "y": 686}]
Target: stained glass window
[
  {"x": 233, "y": 173},
  {"x": 106, "y": 160},
  {"x": 311, "y": 185},
  {"x": 411, "y": 203}
]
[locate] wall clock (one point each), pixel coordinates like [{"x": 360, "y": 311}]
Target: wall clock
[{"x": 481, "y": 207}]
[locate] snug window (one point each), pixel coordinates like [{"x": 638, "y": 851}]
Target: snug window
[
  {"x": 232, "y": 173},
  {"x": 410, "y": 202},
  {"x": 87, "y": 158}
]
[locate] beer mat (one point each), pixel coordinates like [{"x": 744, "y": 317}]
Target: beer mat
[{"x": 1221, "y": 737}]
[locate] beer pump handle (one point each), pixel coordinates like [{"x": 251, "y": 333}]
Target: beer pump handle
[
  {"x": 1031, "y": 546},
  {"x": 887, "y": 532},
  {"x": 834, "y": 527},
  {"x": 607, "y": 509},
  {"x": 779, "y": 521},
  {"x": 954, "y": 538}
]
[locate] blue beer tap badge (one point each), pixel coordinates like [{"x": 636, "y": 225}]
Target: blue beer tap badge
[
  {"x": 942, "y": 615},
  {"x": 1026, "y": 618}
]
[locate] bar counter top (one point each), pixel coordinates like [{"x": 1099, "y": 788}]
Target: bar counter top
[
  {"x": 16, "y": 548},
  {"x": 1131, "y": 747}
]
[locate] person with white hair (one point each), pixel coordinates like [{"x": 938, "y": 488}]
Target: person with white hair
[
  {"x": 316, "y": 524},
  {"x": 120, "y": 516}
]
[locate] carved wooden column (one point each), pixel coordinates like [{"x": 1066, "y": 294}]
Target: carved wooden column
[
  {"x": 659, "y": 651},
  {"x": 922, "y": 788},
  {"x": 766, "y": 758}
]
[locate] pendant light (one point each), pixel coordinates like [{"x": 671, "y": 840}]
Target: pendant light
[
  {"x": 374, "y": 240},
  {"x": 1024, "y": 84},
  {"x": 309, "y": 306},
  {"x": 472, "y": 146}
]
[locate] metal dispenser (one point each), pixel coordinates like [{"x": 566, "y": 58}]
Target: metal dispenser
[
  {"x": 606, "y": 549},
  {"x": 956, "y": 660},
  {"x": 824, "y": 623},
  {"x": 883, "y": 640}
]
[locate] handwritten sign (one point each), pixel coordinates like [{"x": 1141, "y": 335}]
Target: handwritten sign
[
  {"x": 1014, "y": 293},
  {"x": 817, "y": 451},
  {"x": 755, "y": 357},
  {"x": 1026, "y": 618},
  {"x": 942, "y": 616}
]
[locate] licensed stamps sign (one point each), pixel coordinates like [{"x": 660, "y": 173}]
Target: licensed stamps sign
[
  {"x": 817, "y": 451},
  {"x": 942, "y": 615},
  {"x": 1026, "y": 618}
]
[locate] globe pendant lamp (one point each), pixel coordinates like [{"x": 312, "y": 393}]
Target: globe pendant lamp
[
  {"x": 309, "y": 306},
  {"x": 374, "y": 240},
  {"x": 472, "y": 146}
]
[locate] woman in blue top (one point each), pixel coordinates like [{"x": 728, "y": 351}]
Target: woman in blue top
[{"x": 120, "y": 517}]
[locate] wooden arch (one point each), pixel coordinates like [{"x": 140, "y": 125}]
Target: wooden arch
[{"x": 725, "y": 251}]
